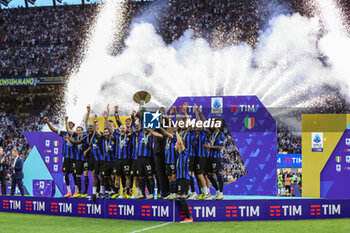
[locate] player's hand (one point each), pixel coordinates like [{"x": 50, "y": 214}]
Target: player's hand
[
  {"x": 88, "y": 108},
  {"x": 116, "y": 109},
  {"x": 105, "y": 114},
  {"x": 108, "y": 108},
  {"x": 66, "y": 118},
  {"x": 95, "y": 119},
  {"x": 46, "y": 120},
  {"x": 195, "y": 107},
  {"x": 184, "y": 107},
  {"x": 133, "y": 113}
]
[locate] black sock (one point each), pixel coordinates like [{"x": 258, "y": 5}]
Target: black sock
[
  {"x": 86, "y": 182},
  {"x": 131, "y": 181},
  {"x": 213, "y": 182},
  {"x": 106, "y": 181},
  {"x": 150, "y": 185},
  {"x": 98, "y": 190},
  {"x": 123, "y": 181},
  {"x": 171, "y": 186},
  {"x": 184, "y": 206},
  {"x": 175, "y": 186},
  {"x": 142, "y": 186},
  {"x": 78, "y": 183},
  {"x": 221, "y": 182},
  {"x": 66, "y": 179},
  {"x": 192, "y": 184}
]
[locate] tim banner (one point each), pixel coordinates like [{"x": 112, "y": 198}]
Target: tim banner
[
  {"x": 289, "y": 160},
  {"x": 168, "y": 211}
]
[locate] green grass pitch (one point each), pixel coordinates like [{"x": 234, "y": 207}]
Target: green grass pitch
[{"x": 25, "y": 223}]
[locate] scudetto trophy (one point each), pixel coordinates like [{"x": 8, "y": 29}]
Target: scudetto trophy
[{"x": 141, "y": 97}]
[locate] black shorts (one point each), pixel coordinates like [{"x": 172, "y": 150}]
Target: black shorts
[
  {"x": 79, "y": 167},
  {"x": 192, "y": 164},
  {"x": 182, "y": 186},
  {"x": 90, "y": 164},
  {"x": 108, "y": 168},
  {"x": 68, "y": 165},
  {"x": 200, "y": 165},
  {"x": 214, "y": 165},
  {"x": 122, "y": 167},
  {"x": 98, "y": 166},
  {"x": 144, "y": 166},
  {"x": 170, "y": 169}
]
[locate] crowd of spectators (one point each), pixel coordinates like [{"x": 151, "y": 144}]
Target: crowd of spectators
[
  {"x": 233, "y": 165},
  {"x": 41, "y": 41},
  {"x": 46, "y": 41},
  {"x": 288, "y": 143}
]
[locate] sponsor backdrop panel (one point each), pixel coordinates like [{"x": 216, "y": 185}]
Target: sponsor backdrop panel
[
  {"x": 324, "y": 141},
  {"x": 202, "y": 211},
  {"x": 335, "y": 175},
  {"x": 253, "y": 130}
]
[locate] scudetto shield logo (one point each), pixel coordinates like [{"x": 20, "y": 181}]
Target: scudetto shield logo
[
  {"x": 338, "y": 159},
  {"x": 249, "y": 122}
]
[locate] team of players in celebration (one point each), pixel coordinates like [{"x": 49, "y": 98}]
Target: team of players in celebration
[{"x": 125, "y": 154}]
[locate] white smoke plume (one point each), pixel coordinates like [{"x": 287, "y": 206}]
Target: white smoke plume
[{"x": 284, "y": 70}]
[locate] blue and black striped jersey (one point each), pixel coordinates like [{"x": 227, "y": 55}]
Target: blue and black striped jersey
[
  {"x": 134, "y": 139},
  {"x": 95, "y": 146},
  {"x": 68, "y": 148},
  {"x": 170, "y": 153},
  {"x": 144, "y": 145},
  {"x": 123, "y": 146},
  {"x": 202, "y": 140},
  {"x": 108, "y": 148},
  {"x": 216, "y": 139},
  {"x": 80, "y": 148},
  {"x": 182, "y": 166}
]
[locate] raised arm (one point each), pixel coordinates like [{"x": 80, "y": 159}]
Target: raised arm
[
  {"x": 87, "y": 116},
  {"x": 184, "y": 111},
  {"x": 179, "y": 140},
  {"x": 53, "y": 129},
  {"x": 71, "y": 132},
  {"x": 107, "y": 123},
  {"x": 201, "y": 114},
  {"x": 96, "y": 130},
  {"x": 196, "y": 110},
  {"x": 116, "y": 116}
]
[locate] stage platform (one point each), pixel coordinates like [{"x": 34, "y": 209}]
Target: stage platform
[{"x": 232, "y": 208}]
